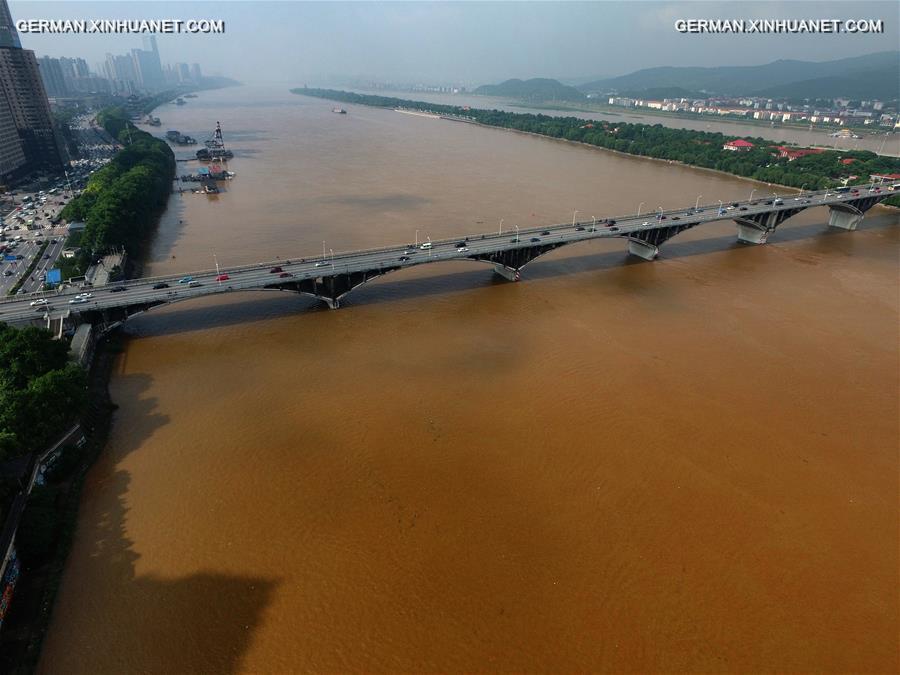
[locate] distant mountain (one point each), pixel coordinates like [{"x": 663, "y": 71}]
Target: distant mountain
[
  {"x": 537, "y": 89},
  {"x": 747, "y": 80},
  {"x": 881, "y": 83}
]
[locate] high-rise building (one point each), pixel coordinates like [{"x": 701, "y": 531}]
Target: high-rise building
[
  {"x": 52, "y": 76},
  {"x": 12, "y": 157},
  {"x": 196, "y": 75},
  {"x": 20, "y": 81},
  {"x": 149, "y": 71},
  {"x": 9, "y": 37}
]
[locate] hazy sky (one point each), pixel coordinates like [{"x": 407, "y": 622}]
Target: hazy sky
[{"x": 464, "y": 42}]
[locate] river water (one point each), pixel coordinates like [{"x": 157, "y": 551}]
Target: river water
[{"x": 613, "y": 465}]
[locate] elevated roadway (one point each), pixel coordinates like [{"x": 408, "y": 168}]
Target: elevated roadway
[{"x": 330, "y": 279}]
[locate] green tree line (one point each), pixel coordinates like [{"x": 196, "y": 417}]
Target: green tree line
[
  {"x": 121, "y": 201},
  {"x": 41, "y": 392},
  {"x": 694, "y": 148}
]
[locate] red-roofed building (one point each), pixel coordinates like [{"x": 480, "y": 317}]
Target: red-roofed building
[
  {"x": 796, "y": 153},
  {"x": 739, "y": 145},
  {"x": 849, "y": 160},
  {"x": 885, "y": 176}
]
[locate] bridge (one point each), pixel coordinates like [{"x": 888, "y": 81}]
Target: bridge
[{"x": 331, "y": 279}]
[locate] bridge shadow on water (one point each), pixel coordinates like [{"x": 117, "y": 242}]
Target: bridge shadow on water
[
  {"x": 108, "y": 617},
  {"x": 397, "y": 287}
]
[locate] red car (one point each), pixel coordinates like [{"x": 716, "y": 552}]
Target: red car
[{"x": 222, "y": 277}]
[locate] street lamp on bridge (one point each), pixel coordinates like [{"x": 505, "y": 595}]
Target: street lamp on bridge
[
  {"x": 593, "y": 223},
  {"x": 640, "y": 206},
  {"x": 575, "y": 213},
  {"x": 500, "y": 232},
  {"x": 659, "y": 212},
  {"x": 751, "y": 194},
  {"x": 517, "y": 233},
  {"x": 697, "y": 203}
]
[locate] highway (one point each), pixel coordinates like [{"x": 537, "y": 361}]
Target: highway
[{"x": 258, "y": 276}]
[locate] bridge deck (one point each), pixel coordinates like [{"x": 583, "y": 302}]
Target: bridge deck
[{"x": 642, "y": 230}]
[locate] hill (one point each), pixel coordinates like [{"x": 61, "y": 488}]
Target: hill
[
  {"x": 537, "y": 89},
  {"x": 747, "y": 80},
  {"x": 880, "y": 84}
]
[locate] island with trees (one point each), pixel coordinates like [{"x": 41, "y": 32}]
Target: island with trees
[{"x": 762, "y": 162}]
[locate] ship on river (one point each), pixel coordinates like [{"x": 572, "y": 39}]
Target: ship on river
[{"x": 215, "y": 149}]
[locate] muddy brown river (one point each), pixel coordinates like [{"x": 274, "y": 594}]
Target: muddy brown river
[{"x": 689, "y": 464}]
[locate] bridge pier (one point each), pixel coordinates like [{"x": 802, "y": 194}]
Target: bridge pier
[
  {"x": 507, "y": 273},
  {"x": 752, "y": 235},
  {"x": 642, "y": 249},
  {"x": 846, "y": 220}
]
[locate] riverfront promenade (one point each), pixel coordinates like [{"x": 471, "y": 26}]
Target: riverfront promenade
[{"x": 330, "y": 278}]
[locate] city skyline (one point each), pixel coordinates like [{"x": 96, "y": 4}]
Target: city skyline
[{"x": 456, "y": 42}]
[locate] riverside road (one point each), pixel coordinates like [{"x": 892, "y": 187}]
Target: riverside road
[{"x": 331, "y": 277}]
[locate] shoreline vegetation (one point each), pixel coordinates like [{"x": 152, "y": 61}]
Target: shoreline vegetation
[
  {"x": 123, "y": 201},
  {"x": 700, "y": 149}
]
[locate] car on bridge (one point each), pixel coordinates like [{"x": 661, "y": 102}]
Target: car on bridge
[
  {"x": 39, "y": 301},
  {"x": 275, "y": 270},
  {"x": 463, "y": 249},
  {"x": 117, "y": 289},
  {"x": 160, "y": 285},
  {"x": 404, "y": 258},
  {"x": 194, "y": 284},
  {"x": 425, "y": 246},
  {"x": 222, "y": 277},
  {"x": 535, "y": 239},
  {"x": 322, "y": 263},
  {"x": 185, "y": 280},
  {"x": 284, "y": 275},
  {"x": 545, "y": 233}
]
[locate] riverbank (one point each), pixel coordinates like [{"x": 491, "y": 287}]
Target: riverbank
[
  {"x": 697, "y": 117},
  {"x": 137, "y": 181},
  {"x": 31, "y": 607}
]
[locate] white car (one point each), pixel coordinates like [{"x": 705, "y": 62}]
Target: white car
[
  {"x": 40, "y": 301},
  {"x": 462, "y": 249},
  {"x": 84, "y": 295},
  {"x": 425, "y": 246},
  {"x": 322, "y": 263},
  {"x": 77, "y": 301}
]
